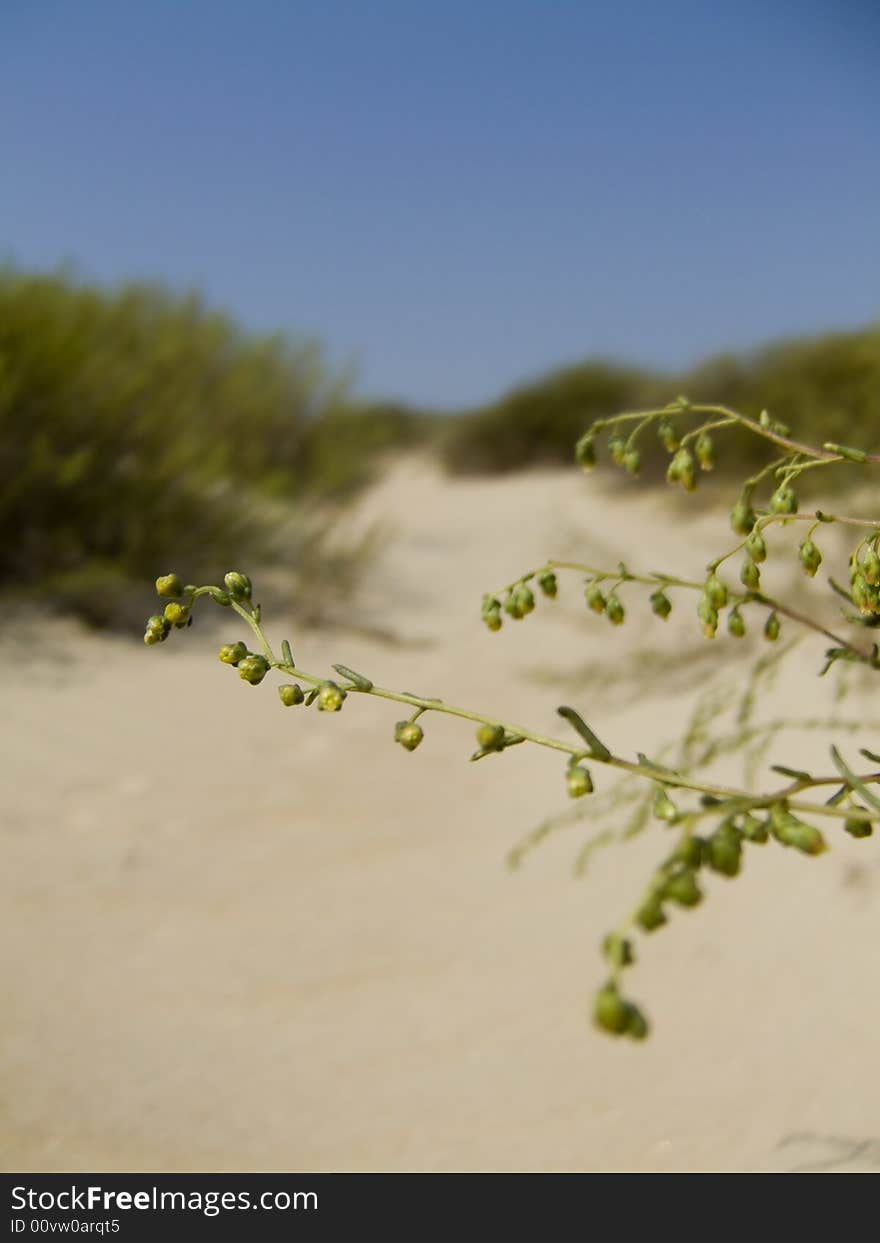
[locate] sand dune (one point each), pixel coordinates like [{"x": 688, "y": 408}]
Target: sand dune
[{"x": 240, "y": 937}]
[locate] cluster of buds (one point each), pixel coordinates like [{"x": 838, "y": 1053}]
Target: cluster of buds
[
  {"x": 177, "y": 614},
  {"x": 519, "y": 599}
]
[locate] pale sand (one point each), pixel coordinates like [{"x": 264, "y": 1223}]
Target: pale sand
[{"x": 242, "y": 937}]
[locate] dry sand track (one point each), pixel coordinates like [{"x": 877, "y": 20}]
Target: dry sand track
[{"x": 239, "y": 937}]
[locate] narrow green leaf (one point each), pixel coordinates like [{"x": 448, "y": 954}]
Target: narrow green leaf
[
  {"x": 854, "y": 782},
  {"x": 797, "y": 773},
  {"x": 597, "y": 748},
  {"x": 357, "y": 679},
  {"x": 286, "y": 654}
]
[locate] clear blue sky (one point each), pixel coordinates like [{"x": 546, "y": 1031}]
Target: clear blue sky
[{"x": 460, "y": 194}]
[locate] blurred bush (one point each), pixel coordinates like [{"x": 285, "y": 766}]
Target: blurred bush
[
  {"x": 140, "y": 430},
  {"x": 826, "y": 388}
]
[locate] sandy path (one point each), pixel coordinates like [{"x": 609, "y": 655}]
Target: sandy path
[{"x": 237, "y": 937}]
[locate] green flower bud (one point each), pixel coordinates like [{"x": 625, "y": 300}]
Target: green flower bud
[
  {"x": 754, "y": 830},
  {"x": 491, "y": 613},
  {"x": 772, "y": 628},
  {"x": 595, "y": 600},
  {"x": 708, "y": 615},
  {"x": 811, "y": 557},
  {"x": 682, "y": 470},
  {"x": 238, "y": 585},
  {"x": 177, "y": 614},
  {"x": 682, "y": 888},
  {"x": 585, "y": 452},
  {"x": 490, "y": 737},
  {"x": 756, "y": 547},
  {"x": 632, "y": 461},
  {"x": 330, "y": 697},
  {"x": 222, "y": 598},
  {"x": 783, "y": 500},
  {"x": 650, "y": 915},
  {"x": 548, "y": 584},
  {"x": 724, "y": 852},
  {"x": 689, "y": 852},
  {"x": 157, "y": 629},
  {"x": 637, "y": 1027},
  {"x": 614, "y": 610},
  {"x": 290, "y": 694},
  {"x": 861, "y": 595},
  {"x": 525, "y": 599},
  {"x": 750, "y": 575},
  {"x": 617, "y": 449},
  {"x": 169, "y": 585},
  {"x": 579, "y": 781},
  {"x": 790, "y": 831},
  {"x": 857, "y": 827},
  {"x": 618, "y": 950},
  {"x": 715, "y": 592},
  {"x": 664, "y": 808},
  {"x": 871, "y": 567},
  {"x": 610, "y": 1011},
  {"x": 705, "y": 451},
  {"x": 512, "y": 606},
  {"x": 408, "y": 734},
  {"x": 736, "y": 626},
  {"x": 661, "y": 604},
  {"x": 668, "y": 435},
  {"x": 232, "y": 653},
  {"x": 742, "y": 517},
  {"x": 253, "y": 669}
]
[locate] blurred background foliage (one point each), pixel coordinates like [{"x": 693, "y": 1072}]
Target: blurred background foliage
[{"x": 142, "y": 431}]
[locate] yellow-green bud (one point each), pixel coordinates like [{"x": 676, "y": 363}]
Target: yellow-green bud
[
  {"x": 618, "y": 950},
  {"x": 705, "y": 451},
  {"x": 857, "y": 827},
  {"x": 772, "y": 628},
  {"x": 222, "y": 598},
  {"x": 169, "y": 585},
  {"x": 614, "y": 610},
  {"x": 750, "y": 575},
  {"x": 650, "y": 915},
  {"x": 664, "y": 808},
  {"x": 756, "y": 547},
  {"x": 579, "y": 781},
  {"x": 724, "y": 852},
  {"x": 661, "y": 604},
  {"x": 715, "y": 592},
  {"x": 668, "y": 436},
  {"x": 617, "y": 449},
  {"x": 290, "y": 694},
  {"x": 253, "y": 669},
  {"x": 708, "y": 615},
  {"x": 689, "y": 851},
  {"x": 742, "y": 517},
  {"x": 177, "y": 614},
  {"x": 525, "y": 599},
  {"x": 232, "y": 653},
  {"x": 595, "y": 600},
  {"x": 408, "y": 734},
  {"x": 637, "y": 1027},
  {"x": 783, "y": 500},
  {"x": 548, "y": 584},
  {"x": 632, "y": 461},
  {"x": 811, "y": 557},
  {"x": 682, "y": 888},
  {"x": 490, "y": 737},
  {"x": 610, "y": 1011},
  {"x": 157, "y": 629},
  {"x": 754, "y": 830},
  {"x": 735, "y": 623},
  {"x": 512, "y": 606},
  {"x": 682, "y": 470},
  {"x": 330, "y": 697},
  {"x": 871, "y": 568},
  {"x": 238, "y": 585}
]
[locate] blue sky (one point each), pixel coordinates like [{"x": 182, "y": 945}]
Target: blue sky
[{"x": 455, "y": 196}]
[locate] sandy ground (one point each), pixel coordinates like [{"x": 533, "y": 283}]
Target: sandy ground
[{"x": 239, "y": 937}]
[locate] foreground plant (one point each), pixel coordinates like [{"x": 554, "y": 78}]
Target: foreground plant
[{"x": 714, "y": 825}]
